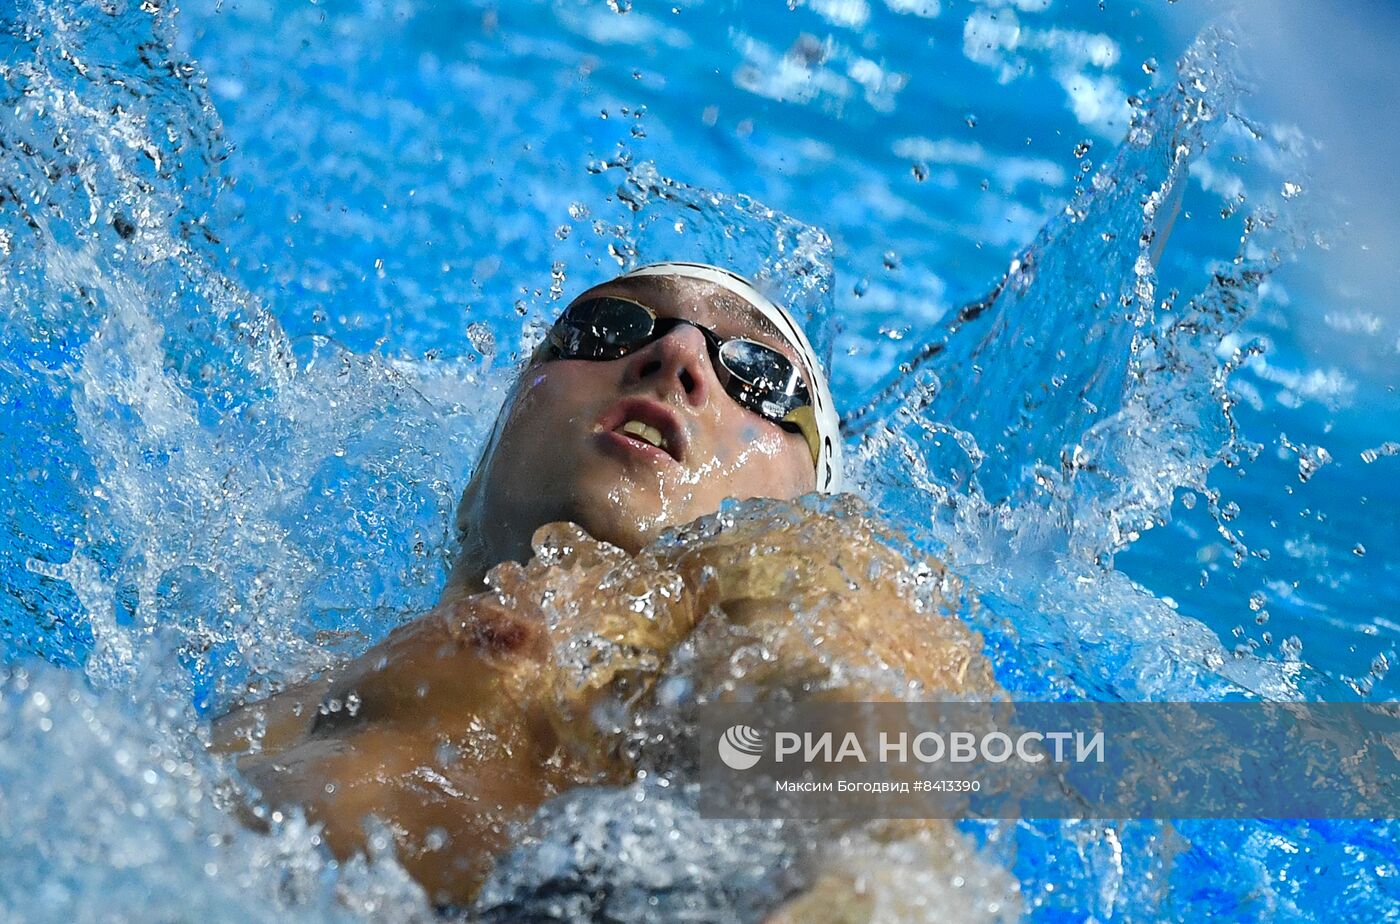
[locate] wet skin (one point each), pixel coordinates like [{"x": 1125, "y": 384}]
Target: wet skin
[
  {"x": 458, "y": 726},
  {"x": 555, "y": 458}
]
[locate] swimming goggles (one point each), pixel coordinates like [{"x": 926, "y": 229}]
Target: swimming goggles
[{"x": 760, "y": 378}]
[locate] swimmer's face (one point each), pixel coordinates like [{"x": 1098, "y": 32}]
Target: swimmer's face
[{"x": 561, "y": 454}]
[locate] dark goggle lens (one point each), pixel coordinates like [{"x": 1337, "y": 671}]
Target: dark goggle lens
[
  {"x": 601, "y": 328},
  {"x": 757, "y": 376},
  {"x": 768, "y": 382}
]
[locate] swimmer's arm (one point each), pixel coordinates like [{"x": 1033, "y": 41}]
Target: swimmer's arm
[
  {"x": 273, "y": 724},
  {"x": 452, "y": 657}
]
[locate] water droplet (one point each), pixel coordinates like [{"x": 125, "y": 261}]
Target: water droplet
[
  {"x": 562, "y": 232},
  {"x": 1387, "y": 448},
  {"x": 1149, "y": 66},
  {"x": 1359, "y": 550},
  {"x": 1083, "y": 147},
  {"x": 891, "y": 260},
  {"x": 920, "y": 172},
  {"x": 620, "y": 6},
  {"x": 481, "y": 338},
  {"x": 578, "y": 211},
  {"x": 1291, "y": 189},
  {"x": 971, "y": 119}
]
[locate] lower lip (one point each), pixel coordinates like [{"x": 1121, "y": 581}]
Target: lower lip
[{"x": 629, "y": 448}]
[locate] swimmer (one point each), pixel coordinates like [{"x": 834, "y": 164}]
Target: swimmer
[{"x": 656, "y": 396}]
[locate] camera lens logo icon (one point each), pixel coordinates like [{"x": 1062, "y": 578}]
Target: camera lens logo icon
[{"x": 740, "y": 747}]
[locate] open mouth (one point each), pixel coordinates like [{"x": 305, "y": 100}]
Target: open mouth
[{"x": 646, "y": 424}]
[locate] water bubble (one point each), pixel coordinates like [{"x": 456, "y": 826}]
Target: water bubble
[
  {"x": 620, "y": 6},
  {"x": 1291, "y": 189},
  {"x": 970, "y": 119},
  {"x": 891, "y": 260},
  {"x": 920, "y": 172},
  {"x": 562, "y": 232},
  {"x": 1359, "y": 550},
  {"x": 578, "y": 211},
  {"x": 1083, "y": 147},
  {"x": 1149, "y": 66}
]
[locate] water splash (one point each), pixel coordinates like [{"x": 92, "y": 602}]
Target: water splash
[
  {"x": 206, "y": 504},
  {"x": 1052, "y": 422},
  {"x": 217, "y": 463}
]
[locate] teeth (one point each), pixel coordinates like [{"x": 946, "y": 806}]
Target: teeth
[{"x": 643, "y": 432}]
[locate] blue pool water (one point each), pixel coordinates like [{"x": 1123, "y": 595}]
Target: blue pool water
[{"x": 266, "y": 267}]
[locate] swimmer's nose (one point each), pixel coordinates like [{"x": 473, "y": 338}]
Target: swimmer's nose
[{"x": 677, "y": 362}]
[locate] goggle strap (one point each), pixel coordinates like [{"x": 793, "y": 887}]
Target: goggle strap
[{"x": 805, "y": 417}]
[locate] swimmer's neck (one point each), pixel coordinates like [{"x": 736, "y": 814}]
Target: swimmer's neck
[
  {"x": 467, "y": 577},
  {"x": 474, "y": 562}
]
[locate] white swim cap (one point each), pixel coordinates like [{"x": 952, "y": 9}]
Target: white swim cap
[{"x": 828, "y": 423}]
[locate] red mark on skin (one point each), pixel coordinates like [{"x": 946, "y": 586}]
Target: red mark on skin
[{"x": 492, "y": 630}]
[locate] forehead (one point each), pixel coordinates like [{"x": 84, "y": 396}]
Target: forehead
[{"x": 702, "y": 302}]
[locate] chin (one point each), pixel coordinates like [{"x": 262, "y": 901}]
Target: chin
[{"x": 624, "y": 523}]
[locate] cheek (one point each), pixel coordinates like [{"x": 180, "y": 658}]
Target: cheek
[
  {"x": 542, "y": 408},
  {"x": 556, "y": 392},
  {"x": 772, "y": 466}
]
